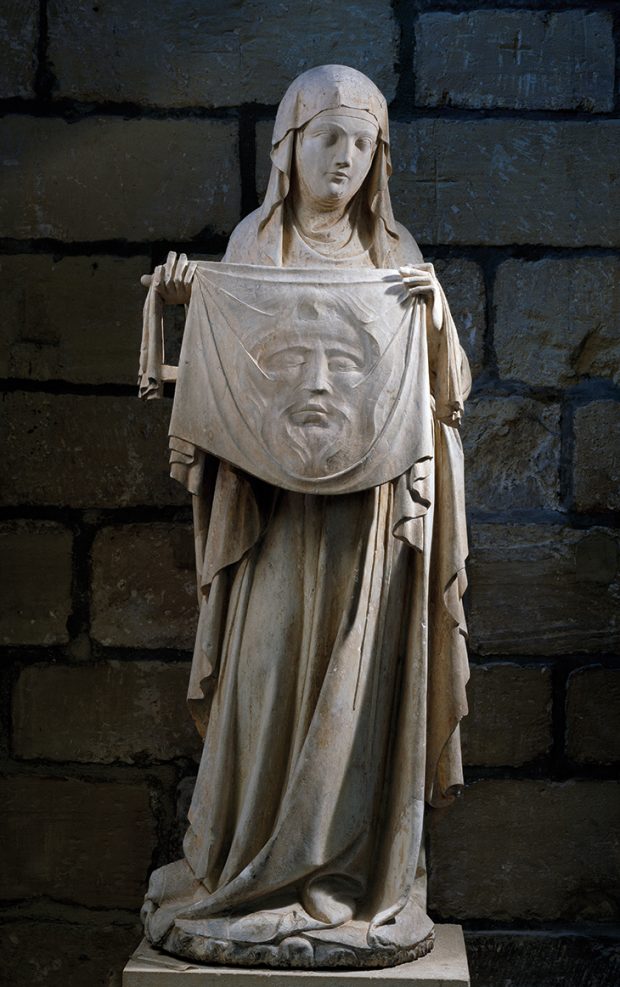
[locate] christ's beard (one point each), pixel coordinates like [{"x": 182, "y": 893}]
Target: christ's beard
[{"x": 306, "y": 443}]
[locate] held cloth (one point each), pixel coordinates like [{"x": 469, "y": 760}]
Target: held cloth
[{"x": 315, "y": 381}]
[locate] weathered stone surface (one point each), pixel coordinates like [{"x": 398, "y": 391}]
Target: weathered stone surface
[
  {"x": 19, "y": 30},
  {"x": 463, "y": 284},
  {"x": 124, "y": 179},
  {"x": 63, "y": 954},
  {"x": 537, "y": 959},
  {"x": 557, "y": 319},
  {"x": 35, "y": 595},
  {"x": 527, "y": 850},
  {"x": 196, "y": 54},
  {"x": 86, "y": 451},
  {"x": 73, "y": 318},
  {"x": 592, "y": 715},
  {"x": 144, "y": 586},
  {"x": 509, "y": 721},
  {"x": 597, "y": 456},
  {"x": 512, "y": 448},
  {"x": 507, "y": 181},
  {"x": 543, "y": 589},
  {"x": 525, "y": 59},
  {"x": 84, "y": 842},
  {"x": 117, "y": 711}
]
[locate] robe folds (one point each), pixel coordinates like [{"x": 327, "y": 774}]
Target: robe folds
[{"x": 328, "y": 677}]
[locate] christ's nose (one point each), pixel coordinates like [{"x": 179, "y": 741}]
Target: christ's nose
[{"x": 318, "y": 375}]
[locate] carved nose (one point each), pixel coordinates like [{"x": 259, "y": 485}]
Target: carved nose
[
  {"x": 345, "y": 153},
  {"x": 319, "y": 377}
]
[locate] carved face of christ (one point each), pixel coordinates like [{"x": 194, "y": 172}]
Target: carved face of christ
[{"x": 315, "y": 411}]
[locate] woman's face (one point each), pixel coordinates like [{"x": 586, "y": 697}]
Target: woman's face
[{"x": 333, "y": 155}]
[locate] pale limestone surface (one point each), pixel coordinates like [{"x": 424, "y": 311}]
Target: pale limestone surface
[
  {"x": 446, "y": 966},
  {"x": 319, "y": 391}
]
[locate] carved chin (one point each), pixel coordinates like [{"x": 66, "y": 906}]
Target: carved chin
[{"x": 309, "y": 447}]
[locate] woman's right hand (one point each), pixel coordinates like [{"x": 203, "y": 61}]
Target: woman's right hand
[{"x": 173, "y": 280}]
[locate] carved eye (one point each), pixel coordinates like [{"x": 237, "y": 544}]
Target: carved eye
[
  {"x": 287, "y": 359},
  {"x": 363, "y": 144},
  {"x": 344, "y": 363}
]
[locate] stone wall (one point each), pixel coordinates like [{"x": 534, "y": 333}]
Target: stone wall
[{"x": 130, "y": 128}]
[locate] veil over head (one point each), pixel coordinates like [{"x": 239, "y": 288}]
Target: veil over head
[{"x": 328, "y": 87}]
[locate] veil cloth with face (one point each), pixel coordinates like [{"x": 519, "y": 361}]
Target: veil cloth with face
[{"x": 329, "y": 671}]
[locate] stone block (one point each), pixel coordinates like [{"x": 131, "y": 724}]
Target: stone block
[
  {"x": 509, "y": 721},
  {"x": 19, "y": 33},
  {"x": 114, "y": 711},
  {"x": 524, "y": 59},
  {"x": 35, "y": 595},
  {"x": 134, "y": 180},
  {"x": 86, "y": 451},
  {"x": 66, "y": 954},
  {"x": 528, "y": 850},
  {"x": 597, "y": 456},
  {"x": 196, "y": 54},
  {"x": 463, "y": 284},
  {"x": 444, "y": 966},
  {"x": 593, "y": 715},
  {"x": 144, "y": 586},
  {"x": 512, "y": 449},
  {"x": 557, "y": 320},
  {"x": 84, "y": 842},
  {"x": 542, "y": 959},
  {"x": 72, "y": 318},
  {"x": 505, "y": 181},
  {"x": 540, "y": 589}
]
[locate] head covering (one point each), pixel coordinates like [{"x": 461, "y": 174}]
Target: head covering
[{"x": 328, "y": 87}]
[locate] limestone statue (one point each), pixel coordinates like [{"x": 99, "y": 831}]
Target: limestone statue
[{"x": 318, "y": 397}]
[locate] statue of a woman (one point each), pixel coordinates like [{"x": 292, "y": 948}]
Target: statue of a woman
[{"x": 329, "y": 671}]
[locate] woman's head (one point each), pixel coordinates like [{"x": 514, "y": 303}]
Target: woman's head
[
  {"x": 337, "y": 103},
  {"x": 334, "y": 153}
]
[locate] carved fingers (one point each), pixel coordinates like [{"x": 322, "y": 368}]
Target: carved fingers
[
  {"x": 173, "y": 279},
  {"x": 421, "y": 280}
]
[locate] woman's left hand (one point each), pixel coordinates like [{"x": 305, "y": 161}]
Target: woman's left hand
[{"x": 422, "y": 280}]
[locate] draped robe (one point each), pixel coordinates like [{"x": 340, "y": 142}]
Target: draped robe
[{"x": 328, "y": 682}]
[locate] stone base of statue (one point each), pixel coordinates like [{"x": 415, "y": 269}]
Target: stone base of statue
[{"x": 444, "y": 966}]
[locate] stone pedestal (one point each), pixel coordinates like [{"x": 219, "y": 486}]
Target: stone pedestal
[{"x": 445, "y": 966}]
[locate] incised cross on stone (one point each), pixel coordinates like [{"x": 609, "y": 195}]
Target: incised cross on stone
[
  {"x": 516, "y": 47},
  {"x": 438, "y": 182}
]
